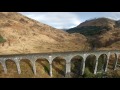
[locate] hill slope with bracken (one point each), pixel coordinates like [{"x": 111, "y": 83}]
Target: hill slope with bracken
[
  {"x": 102, "y": 33},
  {"x": 25, "y": 35}
]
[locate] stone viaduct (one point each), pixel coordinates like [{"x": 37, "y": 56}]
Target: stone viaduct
[{"x": 51, "y": 56}]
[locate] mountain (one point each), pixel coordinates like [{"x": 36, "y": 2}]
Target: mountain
[
  {"x": 94, "y": 26},
  {"x": 102, "y": 33},
  {"x": 20, "y": 34}
]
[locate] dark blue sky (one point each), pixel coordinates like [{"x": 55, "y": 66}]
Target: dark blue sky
[{"x": 68, "y": 19}]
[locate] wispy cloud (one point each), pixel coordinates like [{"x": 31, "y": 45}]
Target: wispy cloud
[
  {"x": 55, "y": 19},
  {"x": 68, "y": 19},
  {"x": 113, "y": 15}
]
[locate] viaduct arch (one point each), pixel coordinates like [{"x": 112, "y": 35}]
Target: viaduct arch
[{"x": 66, "y": 55}]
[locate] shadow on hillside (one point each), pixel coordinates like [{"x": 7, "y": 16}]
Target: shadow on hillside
[
  {"x": 96, "y": 43},
  {"x": 46, "y": 68},
  {"x": 61, "y": 72},
  {"x": 55, "y": 65},
  {"x": 27, "y": 62}
]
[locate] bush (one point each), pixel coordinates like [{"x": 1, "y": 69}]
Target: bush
[
  {"x": 88, "y": 74},
  {"x": 2, "y": 40},
  {"x": 99, "y": 75}
]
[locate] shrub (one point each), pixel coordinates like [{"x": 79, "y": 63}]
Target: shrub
[
  {"x": 2, "y": 40},
  {"x": 88, "y": 74},
  {"x": 99, "y": 75}
]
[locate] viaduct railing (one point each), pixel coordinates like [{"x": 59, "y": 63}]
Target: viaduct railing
[{"x": 51, "y": 56}]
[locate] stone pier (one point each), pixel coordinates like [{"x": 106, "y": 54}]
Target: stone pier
[{"x": 50, "y": 56}]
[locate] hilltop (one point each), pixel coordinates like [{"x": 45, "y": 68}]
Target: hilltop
[{"x": 94, "y": 26}]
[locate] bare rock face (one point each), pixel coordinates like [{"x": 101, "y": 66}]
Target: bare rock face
[{"x": 25, "y": 35}]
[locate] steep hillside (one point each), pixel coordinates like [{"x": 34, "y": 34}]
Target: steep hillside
[
  {"x": 109, "y": 40},
  {"x": 21, "y": 34},
  {"x": 102, "y": 33}
]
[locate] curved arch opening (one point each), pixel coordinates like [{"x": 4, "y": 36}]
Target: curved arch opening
[
  {"x": 42, "y": 68},
  {"x": 11, "y": 68},
  {"x": 76, "y": 66},
  {"x": 26, "y": 68},
  {"x": 112, "y": 60},
  {"x": 90, "y": 65},
  {"x": 111, "y": 66},
  {"x": 119, "y": 61},
  {"x": 1, "y": 69},
  {"x": 59, "y": 67},
  {"x": 102, "y": 61}
]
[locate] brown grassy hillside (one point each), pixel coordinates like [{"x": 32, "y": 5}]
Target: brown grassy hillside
[
  {"x": 109, "y": 40},
  {"x": 102, "y": 33},
  {"x": 25, "y": 35}
]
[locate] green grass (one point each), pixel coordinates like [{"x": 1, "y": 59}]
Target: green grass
[{"x": 2, "y": 40}]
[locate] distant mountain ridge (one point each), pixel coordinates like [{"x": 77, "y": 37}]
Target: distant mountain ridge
[{"x": 94, "y": 26}]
